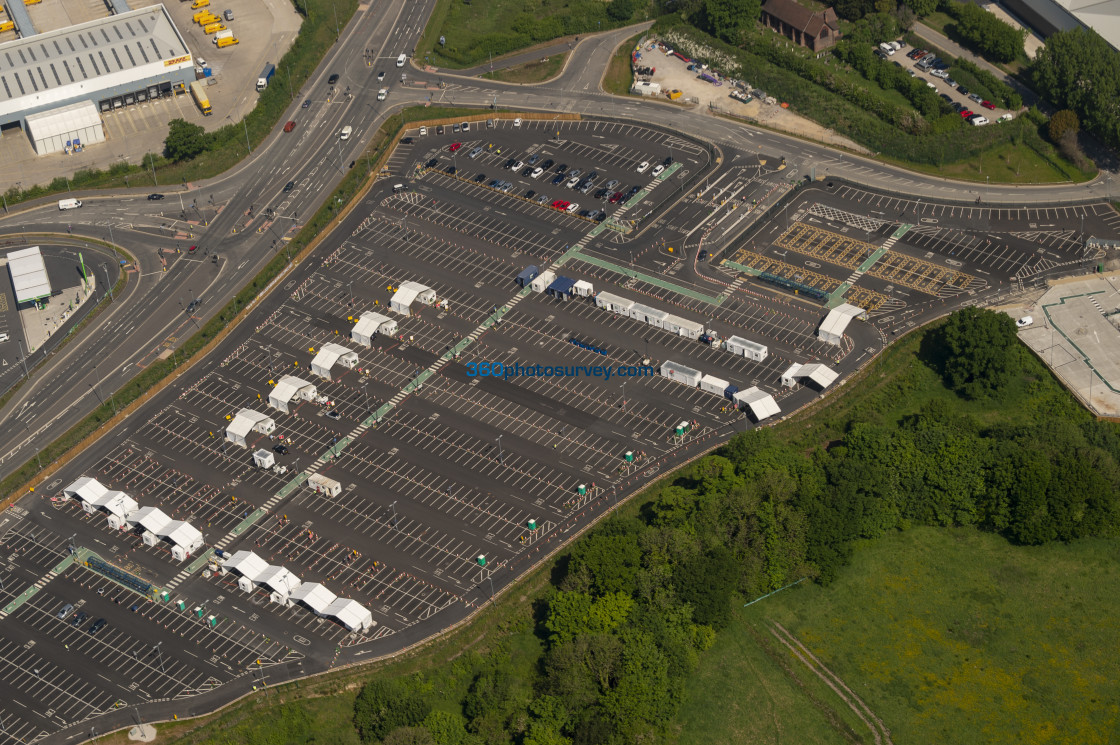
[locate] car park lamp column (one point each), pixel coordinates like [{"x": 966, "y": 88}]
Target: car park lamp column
[{"x": 501, "y": 455}]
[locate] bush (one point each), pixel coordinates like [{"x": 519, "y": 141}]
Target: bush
[
  {"x": 386, "y": 705},
  {"x": 1063, "y": 121}
]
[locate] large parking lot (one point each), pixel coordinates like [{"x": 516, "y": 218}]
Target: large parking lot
[{"x": 450, "y": 483}]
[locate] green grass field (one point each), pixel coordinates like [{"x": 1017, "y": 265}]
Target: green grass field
[{"x": 955, "y": 636}]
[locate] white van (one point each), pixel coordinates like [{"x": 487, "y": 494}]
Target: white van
[
  {"x": 401, "y": 60},
  {"x": 69, "y": 204},
  {"x": 345, "y": 133}
]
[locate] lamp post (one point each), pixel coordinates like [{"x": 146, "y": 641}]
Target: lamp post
[
  {"x": 23, "y": 356},
  {"x": 159, "y": 654},
  {"x": 393, "y": 507},
  {"x": 351, "y": 286},
  {"x": 624, "y": 396},
  {"x": 152, "y": 161},
  {"x": 501, "y": 455},
  {"x": 108, "y": 285}
]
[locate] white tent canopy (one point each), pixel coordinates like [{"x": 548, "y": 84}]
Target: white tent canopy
[
  {"x": 350, "y": 613},
  {"x": 86, "y": 489},
  {"x": 29, "y": 274},
  {"x": 279, "y": 581},
  {"x": 152, "y": 519},
  {"x": 186, "y": 536},
  {"x": 245, "y": 563},
  {"x": 760, "y": 403},
  {"x": 331, "y": 354},
  {"x": 315, "y": 596},
  {"x": 408, "y": 293},
  {"x": 833, "y": 325},
  {"x": 51, "y": 131},
  {"x": 119, "y": 504},
  {"x": 818, "y": 375},
  {"x": 290, "y": 388},
  {"x": 247, "y": 421},
  {"x": 369, "y": 325}
]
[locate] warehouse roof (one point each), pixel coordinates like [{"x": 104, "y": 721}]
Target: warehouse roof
[
  {"x": 58, "y": 65},
  {"x": 29, "y": 274}
]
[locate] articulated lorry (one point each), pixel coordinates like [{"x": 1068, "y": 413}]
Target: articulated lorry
[{"x": 266, "y": 75}]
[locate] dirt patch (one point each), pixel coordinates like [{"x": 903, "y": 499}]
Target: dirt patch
[{"x": 672, "y": 73}]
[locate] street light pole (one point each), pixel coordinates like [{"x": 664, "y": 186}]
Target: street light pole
[
  {"x": 159, "y": 654},
  {"x": 501, "y": 455},
  {"x": 393, "y": 507},
  {"x": 247, "y": 146},
  {"x": 26, "y": 374},
  {"x": 108, "y": 285}
]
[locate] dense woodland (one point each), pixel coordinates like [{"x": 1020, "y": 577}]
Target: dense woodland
[{"x": 632, "y": 604}]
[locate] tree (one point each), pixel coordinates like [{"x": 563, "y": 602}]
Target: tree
[
  {"x": 981, "y": 352},
  {"x": 706, "y": 583},
  {"x": 184, "y": 140},
  {"x": 409, "y": 736},
  {"x": 383, "y": 706},
  {"x": 447, "y": 728},
  {"x": 1078, "y": 70},
  {"x": 726, "y": 19},
  {"x": 621, "y": 10},
  {"x": 1061, "y": 122}
]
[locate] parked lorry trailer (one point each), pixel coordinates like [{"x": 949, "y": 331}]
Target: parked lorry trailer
[
  {"x": 266, "y": 75},
  {"x": 198, "y": 91}
]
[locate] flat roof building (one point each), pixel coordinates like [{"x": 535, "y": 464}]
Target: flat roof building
[
  {"x": 29, "y": 275},
  {"x": 109, "y": 62}
]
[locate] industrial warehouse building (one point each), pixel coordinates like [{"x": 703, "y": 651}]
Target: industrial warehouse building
[{"x": 54, "y": 85}]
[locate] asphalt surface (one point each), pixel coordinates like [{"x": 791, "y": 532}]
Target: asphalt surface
[{"x": 437, "y": 465}]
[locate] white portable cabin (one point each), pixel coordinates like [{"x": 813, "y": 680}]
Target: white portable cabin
[
  {"x": 683, "y": 327},
  {"x": 371, "y": 324},
  {"x": 759, "y": 403},
  {"x": 264, "y": 459},
  {"x": 290, "y": 388},
  {"x": 583, "y": 288},
  {"x": 315, "y": 596},
  {"x": 614, "y": 303},
  {"x": 681, "y": 373},
  {"x": 324, "y": 484},
  {"x": 408, "y": 293},
  {"x": 712, "y": 384},
  {"x": 789, "y": 377},
  {"x": 248, "y": 566},
  {"x": 119, "y": 508},
  {"x": 752, "y": 350},
  {"x": 542, "y": 281},
  {"x": 247, "y": 421},
  {"x": 280, "y": 583},
  {"x": 185, "y": 539},
  {"x": 331, "y": 354},
  {"x": 351, "y": 614},
  {"x": 646, "y": 314},
  {"x": 832, "y": 327}
]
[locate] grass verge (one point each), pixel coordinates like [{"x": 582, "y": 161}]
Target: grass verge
[
  {"x": 1006, "y": 163},
  {"x": 530, "y": 72},
  {"x": 620, "y": 75}
]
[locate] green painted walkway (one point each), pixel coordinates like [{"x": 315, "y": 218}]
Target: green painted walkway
[
  {"x": 836, "y": 297},
  {"x": 656, "y": 281}
]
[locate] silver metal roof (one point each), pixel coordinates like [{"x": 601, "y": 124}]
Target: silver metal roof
[{"x": 89, "y": 56}]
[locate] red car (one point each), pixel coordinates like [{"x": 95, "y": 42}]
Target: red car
[
  {"x": 967, "y": 113},
  {"x": 454, "y": 146},
  {"x": 560, "y": 204},
  {"x": 616, "y": 197},
  {"x": 988, "y": 105},
  {"x": 289, "y": 126}
]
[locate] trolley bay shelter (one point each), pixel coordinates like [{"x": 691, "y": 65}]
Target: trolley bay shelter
[
  {"x": 70, "y": 75},
  {"x": 29, "y": 275}
]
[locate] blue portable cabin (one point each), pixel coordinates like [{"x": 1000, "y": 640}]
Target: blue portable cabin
[
  {"x": 562, "y": 288},
  {"x": 729, "y": 394},
  {"x": 527, "y": 275}
]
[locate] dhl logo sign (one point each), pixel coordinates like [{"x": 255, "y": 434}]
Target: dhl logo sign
[{"x": 176, "y": 60}]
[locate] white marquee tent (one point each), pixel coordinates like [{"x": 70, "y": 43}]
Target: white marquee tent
[
  {"x": 407, "y": 294},
  {"x": 331, "y": 354},
  {"x": 290, "y": 388},
  {"x": 51, "y": 131},
  {"x": 248, "y": 421},
  {"x": 351, "y": 614},
  {"x": 315, "y": 596},
  {"x": 371, "y": 324},
  {"x": 833, "y": 325},
  {"x": 760, "y": 403}
]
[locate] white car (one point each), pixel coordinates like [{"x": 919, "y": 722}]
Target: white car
[
  {"x": 4, "y": 337},
  {"x": 423, "y": 131},
  {"x": 517, "y": 166},
  {"x": 1006, "y": 117},
  {"x": 536, "y": 172},
  {"x": 643, "y": 168},
  {"x": 1024, "y": 322},
  {"x": 517, "y": 122},
  {"x": 382, "y": 94},
  {"x": 572, "y": 207},
  {"x": 573, "y": 181},
  {"x": 658, "y": 171},
  {"x": 980, "y": 121}
]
